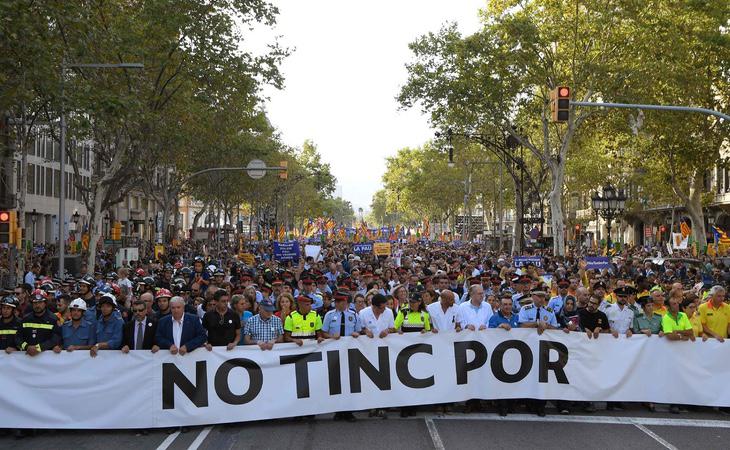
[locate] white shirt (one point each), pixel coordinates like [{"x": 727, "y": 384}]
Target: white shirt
[
  {"x": 177, "y": 327},
  {"x": 377, "y": 325},
  {"x": 440, "y": 320},
  {"x": 620, "y": 320},
  {"x": 469, "y": 314}
]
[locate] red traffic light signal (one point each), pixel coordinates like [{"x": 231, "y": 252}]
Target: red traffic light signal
[
  {"x": 4, "y": 216},
  {"x": 560, "y": 104}
]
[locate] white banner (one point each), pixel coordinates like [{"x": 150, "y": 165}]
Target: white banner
[{"x": 145, "y": 390}]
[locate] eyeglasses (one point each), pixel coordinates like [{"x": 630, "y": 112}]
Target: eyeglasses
[{"x": 140, "y": 309}]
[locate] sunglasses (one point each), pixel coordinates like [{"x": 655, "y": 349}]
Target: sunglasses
[{"x": 140, "y": 309}]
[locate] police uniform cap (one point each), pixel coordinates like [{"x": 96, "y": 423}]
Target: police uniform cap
[
  {"x": 624, "y": 291},
  {"x": 304, "y": 298},
  {"x": 539, "y": 293},
  {"x": 599, "y": 284}
]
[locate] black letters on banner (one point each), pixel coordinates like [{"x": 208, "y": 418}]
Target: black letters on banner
[
  {"x": 301, "y": 370},
  {"x": 463, "y": 367},
  {"x": 555, "y": 366},
  {"x": 333, "y": 370},
  {"x": 255, "y": 376},
  {"x": 356, "y": 361},
  {"x": 197, "y": 393},
  {"x": 497, "y": 361},
  {"x": 401, "y": 366}
]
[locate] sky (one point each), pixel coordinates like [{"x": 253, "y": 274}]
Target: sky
[{"x": 342, "y": 79}]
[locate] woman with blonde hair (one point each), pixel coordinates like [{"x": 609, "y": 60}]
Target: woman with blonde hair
[{"x": 284, "y": 305}]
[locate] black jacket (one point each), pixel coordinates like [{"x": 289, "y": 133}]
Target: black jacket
[{"x": 130, "y": 330}]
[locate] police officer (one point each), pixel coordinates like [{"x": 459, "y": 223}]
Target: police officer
[
  {"x": 77, "y": 333},
  {"x": 339, "y": 322},
  {"x": 39, "y": 329},
  {"x": 556, "y": 303},
  {"x": 303, "y": 323},
  {"x": 9, "y": 323},
  {"x": 537, "y": 315},
  {"x": 310, "y": 290},
  {"x": 412, "y": 319}
]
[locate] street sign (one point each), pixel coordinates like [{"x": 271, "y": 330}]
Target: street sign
[{"x": 253, "y": 169}]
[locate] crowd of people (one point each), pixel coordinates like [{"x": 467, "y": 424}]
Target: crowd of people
[{"x": 180, "y": 304}]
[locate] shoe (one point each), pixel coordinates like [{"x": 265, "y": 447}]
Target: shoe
[
  {"x": 350, "y": 417},
  {"x": 674, "y": 409},
  {"x": 590, "y": 408},
  {"x": 502, "y": 412},
  {"x": 403, "y": 413},
  {"x": 337, "y": 417},
  {"x": 565, "y": 412},
  {"x": 651, "y": 407}
]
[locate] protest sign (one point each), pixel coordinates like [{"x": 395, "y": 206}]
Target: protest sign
[{"x": 286, "y": 251}]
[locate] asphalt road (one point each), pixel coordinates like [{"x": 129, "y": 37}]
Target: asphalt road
[{"x": 633, "y": 428}]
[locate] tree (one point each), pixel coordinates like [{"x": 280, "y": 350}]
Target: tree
[
  {"x": 500, "y": 77},
  {"x": 192, "y": 57}
]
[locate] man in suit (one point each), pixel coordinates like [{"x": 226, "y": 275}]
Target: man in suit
[
  {"x": 179, "y": 332},
  {"x": 139, "y": 333}
]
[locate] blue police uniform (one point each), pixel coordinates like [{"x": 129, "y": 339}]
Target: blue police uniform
[
  {"x": 332, "y": 323},
  {"x": 531, "y": 313},
  {"x": 84, "y": 334},
  {"x": 317, "y": 301},
  {"x": 498, "y": 319},
  {"x": 556, "y": 303},
  {"x": 110, "y": 331}
]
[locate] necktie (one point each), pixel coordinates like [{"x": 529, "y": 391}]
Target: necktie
[
  {"x": 140, "y": 336},
  {"x": 537, "y": 317},
  {"x": 342, "y": 323}
]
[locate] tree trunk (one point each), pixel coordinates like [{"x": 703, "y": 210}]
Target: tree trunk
[
  {"x": 196, "y": 218},
  {"x": 693, "y": 203},
  {"x": 557, "y": 220},
  {"x": 95, "y": 227}
]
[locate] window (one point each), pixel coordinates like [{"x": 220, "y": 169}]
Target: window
[
  {"x": 87, "y": 156},
  {"x": 57, "y": 183},
  {"x": 39, "y": 187},
  {"x": 31, "y": 178},
  {"x": 49, "y": 182}
]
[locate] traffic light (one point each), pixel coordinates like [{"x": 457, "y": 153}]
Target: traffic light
[
  {"x": 6, "y": 232},
  {"x": 560, "y": 104},
  {"x": 284, "y": 173}
]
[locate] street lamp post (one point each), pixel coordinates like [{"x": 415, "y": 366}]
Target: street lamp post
[
  {"x": 62, "y": 179},
  {"x": 610, "y": 204},
  {"x": 33, "y": 219}
]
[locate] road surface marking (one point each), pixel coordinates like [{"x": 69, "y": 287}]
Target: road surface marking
[
  {"x": 655, "y": 436},
  {"x": 168, "y": 441},
  {"x": 200, "y": 438},
  {"x": 435, "y": 438},
  {"x": 646, "y": 421}
]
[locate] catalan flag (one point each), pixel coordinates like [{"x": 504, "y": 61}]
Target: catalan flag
[{"x": 684, "y": 229}]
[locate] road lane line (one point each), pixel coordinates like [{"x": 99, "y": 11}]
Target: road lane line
[
  {"x": 655, "y": 436},
  {"x": 200, "y": 438},
  {"x": 435, "y": 438},
  {"x": 609, "y": 420},
  {"x": 168, "y": 441}
]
